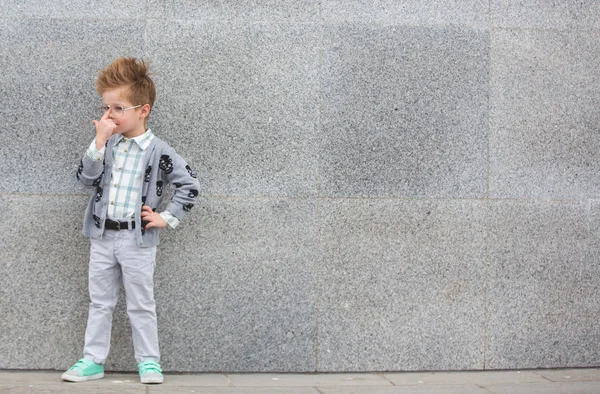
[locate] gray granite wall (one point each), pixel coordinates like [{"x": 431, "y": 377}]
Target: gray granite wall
[{"x": 388, "y": 185}]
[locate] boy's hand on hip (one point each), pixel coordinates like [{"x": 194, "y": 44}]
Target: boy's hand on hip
[
  {"x": 104, "y": 129},
  {"x": 153, "y": 218}
]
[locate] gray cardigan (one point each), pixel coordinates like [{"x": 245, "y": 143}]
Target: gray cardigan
[{"x": 163, "y": 166}]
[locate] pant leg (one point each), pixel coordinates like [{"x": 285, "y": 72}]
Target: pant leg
[
  {"x": 137, "y": 265},
  {"x": 104, "y": 283}
]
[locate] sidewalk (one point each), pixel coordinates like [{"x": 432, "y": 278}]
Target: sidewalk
[{"x": 548, "y": 381}]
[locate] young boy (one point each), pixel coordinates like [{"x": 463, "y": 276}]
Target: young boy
[{"x": 128, "y": 168}]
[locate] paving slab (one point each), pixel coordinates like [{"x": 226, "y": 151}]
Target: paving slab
[
  {"x": 477, "y": 378},
  {"x": 549, "y": 388},
  {"x": 570, "y": 375},
  {"x": 22, "y": 377},
  {"x": 468, "y": 382},
  {"x": 335, "y": 379},
  {"x": 48, "y": 378},
  {"x": 234, "y": 390},
  {"x": 446, "y": 389},
  {"x": 196, "y": 380},
  {"x": 78, "y": 388},
  {"x": 171, "y": 380}
]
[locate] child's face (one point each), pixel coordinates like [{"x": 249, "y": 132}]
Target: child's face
[{"x": 130, "y": 121}]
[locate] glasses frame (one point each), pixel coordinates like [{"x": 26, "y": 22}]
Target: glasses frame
[{"x": 103, "y": 110}]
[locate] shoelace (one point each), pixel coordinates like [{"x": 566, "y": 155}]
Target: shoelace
[{"x": 149, "y": 366}]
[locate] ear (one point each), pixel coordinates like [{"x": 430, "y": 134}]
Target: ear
[{"x": 145, "y": 111}]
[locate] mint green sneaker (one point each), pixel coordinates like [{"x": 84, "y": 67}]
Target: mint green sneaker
[
  {"x": 83, "y": 370},
  {"x": 150, "y": 372}
]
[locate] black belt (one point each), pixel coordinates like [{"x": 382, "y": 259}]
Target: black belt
[{"x": 114, "y": 225}]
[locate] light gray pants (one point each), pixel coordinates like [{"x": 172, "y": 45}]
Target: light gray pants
[{"x": 113, "y": 257}]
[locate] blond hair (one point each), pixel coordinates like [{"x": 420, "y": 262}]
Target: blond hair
[{"x": 130, "y": 72}]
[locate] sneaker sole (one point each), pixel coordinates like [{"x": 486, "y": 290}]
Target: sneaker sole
[
  {"x": 73, "y": 378},
  {"x": 151, "y": 380}
]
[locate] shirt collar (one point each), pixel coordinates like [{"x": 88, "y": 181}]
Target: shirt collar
[{"x": 143, "y": 141}]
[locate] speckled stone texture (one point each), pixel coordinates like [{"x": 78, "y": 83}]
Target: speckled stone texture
[
  {"x": 264, "y": 10},
  {"x": 79, "y": 9},
  {"x": 544, "y": 114},
  {"x": 405, "y": 111},
  {"x": 242, "y": 101},
  {"x": 401, "y": 285},
  {"x": 385, "y": 185},
  {"x": 543, "y": 14},
  {"x": 236, "y": 287},
  {"x": 48, "y": 95},
  {"x": 43, "y": 285},
  {"x": 408, "y": 12},
  {"x": 543, "y": 300},
  {"x": 594, "y": 218}
]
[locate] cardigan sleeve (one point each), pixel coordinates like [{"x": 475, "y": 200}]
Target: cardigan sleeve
[
  {"x": 181, "y": 175},
  {"x": 90, "y": 171}
]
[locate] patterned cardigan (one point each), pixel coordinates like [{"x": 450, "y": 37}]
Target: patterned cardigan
[{"x": 163, "y": 167}]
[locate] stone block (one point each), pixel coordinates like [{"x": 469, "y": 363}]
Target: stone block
[
  {"x": 544, "y": 139},
  {"x": 43, "y": 286},
  {"x": 594, "y": 217},
  {"x": 263, "y": 11},
  {"x": 405, "y": 111},
  {"x": 80, "y": 9},
  {"x": 543, "y": 301},
  {"x": 49, "y": 95},
  {"x": 401, "y": 285},
  {"x": 236, "y": 287},
  {"x": 408, "y": 12},
  {"x": 541, "y": 14},
  {"x": 241, "y": 102}
]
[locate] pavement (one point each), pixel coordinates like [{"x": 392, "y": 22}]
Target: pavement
[{"x": 540, "y": 381}]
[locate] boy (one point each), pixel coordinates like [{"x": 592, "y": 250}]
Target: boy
[{"x": 128, "y": 168}]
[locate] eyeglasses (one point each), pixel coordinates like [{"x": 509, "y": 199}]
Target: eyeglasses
[{"x": 117, "y": 111}]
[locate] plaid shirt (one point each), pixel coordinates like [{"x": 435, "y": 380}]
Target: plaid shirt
[{"x": 127, "y": 176}]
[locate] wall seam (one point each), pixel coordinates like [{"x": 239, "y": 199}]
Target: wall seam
[
  {"x": 487, "y": 202},
  {"x": 319, "y": 246}
]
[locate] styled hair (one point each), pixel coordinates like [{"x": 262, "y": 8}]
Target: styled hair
[{"x": 130, "y": 72}]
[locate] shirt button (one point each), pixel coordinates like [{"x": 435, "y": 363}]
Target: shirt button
[
  {"x": 125, "y": 150},
  {"x": 116, "y": 184},
  {"x": 112, "y": 203},
  {"x": 120, "y": 168}
]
